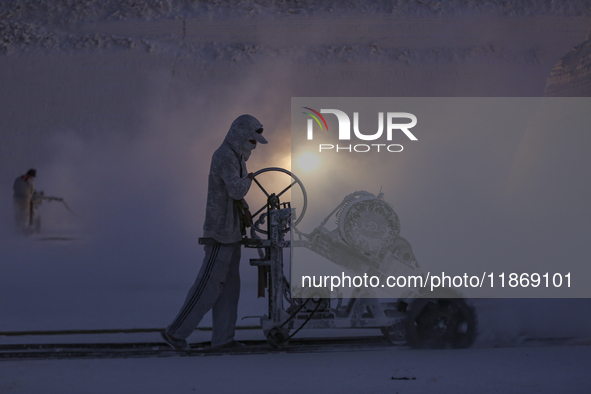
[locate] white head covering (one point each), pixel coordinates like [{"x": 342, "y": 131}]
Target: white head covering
[{"x": 243, "y": 129}]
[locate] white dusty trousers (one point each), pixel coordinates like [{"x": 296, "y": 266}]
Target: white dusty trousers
[
  {"x": 22, "y": 215},
  {"x": 217, "y": 287}
]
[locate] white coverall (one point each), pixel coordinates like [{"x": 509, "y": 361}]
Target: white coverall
[
  {"x": 217, "y": 286},
  {"x": 24, "y": 188}
]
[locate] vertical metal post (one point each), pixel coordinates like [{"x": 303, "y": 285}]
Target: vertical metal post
[{"x": 276, "y": 273}]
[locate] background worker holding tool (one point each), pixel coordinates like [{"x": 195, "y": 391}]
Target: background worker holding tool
[
  {"x": 217, "y": 286},
  {"x": 24, "y": 189},
  {"x": 27, "y": 200}
]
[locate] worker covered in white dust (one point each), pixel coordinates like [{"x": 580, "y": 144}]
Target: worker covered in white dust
[
  {"x": 24, "y": 190},
  {"x": 217, "y": 286}
]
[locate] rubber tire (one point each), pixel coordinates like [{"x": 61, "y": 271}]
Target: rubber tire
[
  {"x": 440, "y": 323},
  {"x": 277, "y": 337}
]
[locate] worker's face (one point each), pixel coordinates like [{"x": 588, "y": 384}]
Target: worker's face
[{"x": 247, "y": 148}]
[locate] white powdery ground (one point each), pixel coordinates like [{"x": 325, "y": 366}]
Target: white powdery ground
[
  {"x": 105, "y": 97},
  {"x": 501, "y": 370}
]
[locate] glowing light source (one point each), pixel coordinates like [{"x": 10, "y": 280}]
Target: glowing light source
[{"x": 308, "y": 161}]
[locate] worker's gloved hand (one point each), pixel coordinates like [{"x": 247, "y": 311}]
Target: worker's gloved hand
[
  {"x": 247, "y": 218},
  {"x": 251, "y": 176}
]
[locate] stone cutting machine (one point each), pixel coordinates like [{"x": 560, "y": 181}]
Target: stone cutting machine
[{"x": 366, "y": 240}]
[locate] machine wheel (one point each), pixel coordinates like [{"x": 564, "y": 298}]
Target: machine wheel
[
  {"x": 440, "y": 323},
  {"x": 394, "y": 333},
  {"x": 274, "y": 199},
  {"x": 277, "y": 337}
]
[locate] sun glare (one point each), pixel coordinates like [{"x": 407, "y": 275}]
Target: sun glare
[{"x": 308, "y": 161}]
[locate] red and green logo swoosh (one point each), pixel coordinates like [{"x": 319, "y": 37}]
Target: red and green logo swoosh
[{"x": 315, "y": 116}]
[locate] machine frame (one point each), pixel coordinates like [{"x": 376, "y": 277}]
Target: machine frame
[{"x": 419, "y": 318}]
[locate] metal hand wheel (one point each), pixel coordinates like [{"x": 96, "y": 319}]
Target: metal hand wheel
[{"x": 274, "y": 199}]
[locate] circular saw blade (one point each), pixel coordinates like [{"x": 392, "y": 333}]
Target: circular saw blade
[{"x": 370, "y": 225}]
